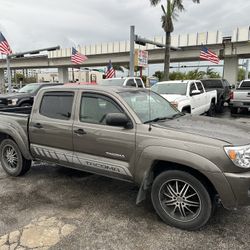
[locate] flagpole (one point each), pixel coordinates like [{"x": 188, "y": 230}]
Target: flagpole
[
  {"x": 73, "y": 75},
  {"x": 8, "y": 73}
]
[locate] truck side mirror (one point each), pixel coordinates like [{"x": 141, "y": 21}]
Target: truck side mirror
[{"x": 118, "y": 120}]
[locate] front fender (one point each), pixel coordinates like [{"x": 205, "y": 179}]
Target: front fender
[
  {"x": 151, "y": 154},
  {"x": 158, "y": 153},
  {"x": 19, "y": 136}
]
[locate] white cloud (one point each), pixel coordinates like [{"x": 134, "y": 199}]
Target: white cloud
[{"x": 30, "y": 24}]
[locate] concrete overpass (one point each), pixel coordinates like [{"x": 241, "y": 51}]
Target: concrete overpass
[{"x": 230, "y": 49}]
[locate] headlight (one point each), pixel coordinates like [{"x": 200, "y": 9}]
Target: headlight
[
  {"x": 13, "y": 101},
  {"x": 175, "y": 104},
  {"x": 240, "y": 156}
]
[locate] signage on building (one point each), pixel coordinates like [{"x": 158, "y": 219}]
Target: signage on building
[{"x": 141, "y": 58}]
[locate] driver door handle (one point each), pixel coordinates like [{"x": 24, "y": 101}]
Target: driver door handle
[
  {"x": 80, "y": 131},
  {"x": 37, "y": 125}
]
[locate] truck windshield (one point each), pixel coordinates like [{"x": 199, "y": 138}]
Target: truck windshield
[
  {"x": 176, "y": 88},
  {"x": 212, "y": 84},
  {"x": 145, "y": 102},
  {"x": 30, "y": 88},
  {"x": 112, "y": 82}
]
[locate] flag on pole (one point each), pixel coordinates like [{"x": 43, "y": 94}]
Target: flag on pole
[
  {"x": 209, "y": 55},
  {"x": 77, "y": 57},
  {"x": 110, "y": 73},
  {"x": 4, "y": 45}
]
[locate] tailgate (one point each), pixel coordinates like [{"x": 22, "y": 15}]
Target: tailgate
[{"x": 241, "y": 95}]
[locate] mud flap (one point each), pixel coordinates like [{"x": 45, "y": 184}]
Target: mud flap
[{"x": 146, "y": 182}]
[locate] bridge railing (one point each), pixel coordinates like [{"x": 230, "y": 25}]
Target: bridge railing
[{"x": 183, "y": 40}]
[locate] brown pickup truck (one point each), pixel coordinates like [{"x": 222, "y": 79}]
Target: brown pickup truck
[{"x": 189, "y": 164}]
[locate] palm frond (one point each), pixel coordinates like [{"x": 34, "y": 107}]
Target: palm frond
[
  {"x": 177, "y": 5},
  {"x": 155, "y": 2}
]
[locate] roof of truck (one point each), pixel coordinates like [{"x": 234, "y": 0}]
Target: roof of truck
[{"x": 95, "y": 87}]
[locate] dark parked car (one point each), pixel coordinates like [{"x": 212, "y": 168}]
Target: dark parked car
[
  {"x": 24, "y": 97},
  {"x": 223, "y": 91}
]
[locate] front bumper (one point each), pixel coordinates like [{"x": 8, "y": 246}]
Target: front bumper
[{"x": 240, "y": 184}]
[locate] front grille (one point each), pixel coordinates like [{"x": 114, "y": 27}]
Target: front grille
[{"x": 246, "y": 103}]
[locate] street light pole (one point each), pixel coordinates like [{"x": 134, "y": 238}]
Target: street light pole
[
  {"x": 247, "y": 68},
  {"x": 9, "y": 74},
  {"x": 132, "y": 51}
]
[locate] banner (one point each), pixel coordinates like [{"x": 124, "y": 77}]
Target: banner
[{"x": 141, "y": 58}]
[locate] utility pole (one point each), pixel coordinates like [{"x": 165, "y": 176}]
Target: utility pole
[
  {"x": 8, "y": 74},
  {"x": 132, "y": 51},
  {"x": 141, "y": 41}
]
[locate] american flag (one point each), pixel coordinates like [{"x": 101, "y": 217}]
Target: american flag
[
  {"x": 77, "y": 57},
  {"x": 4, "y": 46},
  {"x": 110, "y": 71},
  {"x": 209, "y": 55}
]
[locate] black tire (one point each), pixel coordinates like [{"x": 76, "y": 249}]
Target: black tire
[
  {"x": 220, "y": 106},
  {"x": 195, "y": 202},
  {"x": 25, "y": 104},
  {"x": 12, "y": 160},
  {"x": 234, "y": 110},
  {"x": 211, "y": 111}
]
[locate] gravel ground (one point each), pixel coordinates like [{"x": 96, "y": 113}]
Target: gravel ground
[{"x": 101, "y": 214}]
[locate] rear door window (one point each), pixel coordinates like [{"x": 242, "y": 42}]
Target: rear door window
[
  {"x": 199, "y": 86},
  {"x": 192, "y": 87},
  {"x": 245, "y": 84},
  {"x": 131, "y": 83},
  {"x": 139, "y": 83},
  {"x": 57, "y": 105}
]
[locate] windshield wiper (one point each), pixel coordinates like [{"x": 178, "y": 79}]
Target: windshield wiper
[
  {"x": 177, "y": 115},
  {"x": 157, "y": 119}
]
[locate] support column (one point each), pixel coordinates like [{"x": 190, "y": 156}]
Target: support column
[
  {"x": 231, "y": 68},
  {"x": 63, "y": 75},
  {"x": 1, "y": 81}
]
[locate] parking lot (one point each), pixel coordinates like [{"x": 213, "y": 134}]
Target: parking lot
[{"x": 57, "y": 208}]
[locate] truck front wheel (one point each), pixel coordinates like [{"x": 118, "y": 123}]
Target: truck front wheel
[
  {"x": 181, "y": 200},
  {"x": 211, "y": 111},
  {"x": 12, "y": 159}
]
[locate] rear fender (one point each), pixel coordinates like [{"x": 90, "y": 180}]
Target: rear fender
[{"x": 19, "y": 136}]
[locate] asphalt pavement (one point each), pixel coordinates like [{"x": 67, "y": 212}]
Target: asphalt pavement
[{"x": 52, "y": 207}]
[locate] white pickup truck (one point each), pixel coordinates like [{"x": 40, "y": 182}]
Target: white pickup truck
[
  {"x": 188, "y": 96},
  {"x": 240, "y": 99},
  {"x": 123, "y": 81}
]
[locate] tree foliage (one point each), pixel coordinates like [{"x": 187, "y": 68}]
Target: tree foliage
[
  {"x": 189, "y": 75},
  {"x": 170, "y": 14}
]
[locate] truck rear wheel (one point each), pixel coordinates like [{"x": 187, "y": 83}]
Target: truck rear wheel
[
  {"x": 12, "y": 159},
  {"x": 181, "y": 200},
  {"x": 234, "y": 110}
]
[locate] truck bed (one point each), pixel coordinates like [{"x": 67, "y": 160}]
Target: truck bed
[{"x": 16, "y": 110}]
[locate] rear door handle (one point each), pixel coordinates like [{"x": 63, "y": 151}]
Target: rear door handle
[
  {"x": 37, "y": 125},
  {"x": 80, "y": 131}
]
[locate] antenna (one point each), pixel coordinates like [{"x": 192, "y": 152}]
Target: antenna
[{"x": 149, "y": 109}]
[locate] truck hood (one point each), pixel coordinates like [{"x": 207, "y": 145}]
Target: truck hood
[
  {"x": 174, "y": 98},
  {"x": 224, "y": 130}
]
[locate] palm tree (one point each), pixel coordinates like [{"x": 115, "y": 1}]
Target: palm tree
[{"x": 173, "y": 7}]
